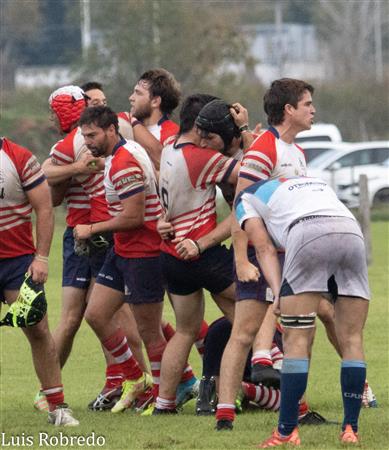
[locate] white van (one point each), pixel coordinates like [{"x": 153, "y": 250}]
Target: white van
[{"x": 324, "y": 132}]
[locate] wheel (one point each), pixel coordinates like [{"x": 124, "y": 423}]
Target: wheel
[{"x": 382, "y": 196}]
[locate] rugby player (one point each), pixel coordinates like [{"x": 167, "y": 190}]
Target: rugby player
[
  {"x": 288, "y": 104},
  {"x": 131, "y": 271},
  {"x": 155, "y": 96},
  {"x": 325, "y": 254},
  {"x": 194, "y": 259},
  {"x": 73, "y": 168},
  {"x": 23, "y": 188}
]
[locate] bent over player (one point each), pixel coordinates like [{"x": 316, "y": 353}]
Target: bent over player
[{"x": 325, "y": 253}]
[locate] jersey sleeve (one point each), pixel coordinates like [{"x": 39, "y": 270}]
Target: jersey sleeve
[
  {"x": 127, "y": 176},
  {"x": 168, "y": 130},
  {"x": 244, "y": 208},
  {"x": 260, "y": 159},
  {"x": 62, "y": 152},
  {"x": 29, "y": 169},
  {"x": 207, "y": 166}
]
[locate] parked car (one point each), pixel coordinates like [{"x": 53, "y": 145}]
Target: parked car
[
  {"x": 378, "y": 186},
  {"x": 341, "y": 168},
  {"x": 313, "y": 149},
  {"x": 324, "y": 132}
]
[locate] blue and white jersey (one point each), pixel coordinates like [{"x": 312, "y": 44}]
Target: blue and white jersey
[{"x": 282, "y": 201}]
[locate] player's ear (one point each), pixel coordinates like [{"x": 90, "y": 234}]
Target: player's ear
[
  {"x": 156, "y": 101},
  {"x": 288, "y": 109}
]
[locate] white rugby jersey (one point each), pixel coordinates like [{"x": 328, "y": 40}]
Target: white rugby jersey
[
  {"x": 187, "y": 188},
  {"x": 20, "y": 171},
  {"x": 282, "y": 201},
  {"x": 270, "y": 157},
  {"x": 129, "y": 171}
]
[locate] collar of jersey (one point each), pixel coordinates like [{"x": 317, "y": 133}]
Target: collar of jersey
[
  {"x": 275, "y": 132},
  {"x": 162, "y": 119},
  {"x": 119, "y": 144},
  {"x": 183, "y": 144}
]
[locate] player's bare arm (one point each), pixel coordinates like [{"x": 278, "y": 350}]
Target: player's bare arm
[
  {"x": 58, "y": 192},
  {"x": 132, "y": 216},
  {"x": 265, "y": 252},
  {"x": 40, "y": 199},
  {"x": 244, "y": 269},
  {"x": 189, "y": 249},
  {"x": 152, "y": 145},
  {"x": 86, "y": 165}
]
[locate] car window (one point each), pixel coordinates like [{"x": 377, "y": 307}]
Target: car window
[
  {"x": 356, "y": 158},
  {"x": 313, "y": 153},
  {"x": 380, "y": 155},
  {"x": 321, "y": 160}
]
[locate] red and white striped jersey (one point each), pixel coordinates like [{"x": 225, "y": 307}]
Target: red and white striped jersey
[
  {"x": 187, "y": 186},
  {"x": 270, "y": 157},
  {"x": 69, "y": 150},
  {"x": 20, "y": 171},
  {"x": 129, "y": 171},
  {"x": 78, "y": 205},
  {"x": 164, "y": 129}
]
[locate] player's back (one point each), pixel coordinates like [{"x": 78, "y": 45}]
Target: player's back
[{"x": 187, "y": 186}]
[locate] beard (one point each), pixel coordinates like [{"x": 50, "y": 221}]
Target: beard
[
  {"x": 141, "y": 113},
  {"x": 97, "y": 152}
]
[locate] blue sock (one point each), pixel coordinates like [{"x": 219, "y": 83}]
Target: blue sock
[
  {"x": 294, "y": 377},
  {"x": 352, "y": 381}
]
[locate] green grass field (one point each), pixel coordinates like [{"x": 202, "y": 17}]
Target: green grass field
[{"x": 83, "y": 378}]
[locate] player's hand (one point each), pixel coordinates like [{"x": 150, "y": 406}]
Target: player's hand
[
  {"x": 239, "y": 114},
  {"x": 81, "y": 232},
  {"x": 88, "y": 164},
  {"x": 187, "y": 249},
  {"x": 258, "y": 129},
  {"x": 38, "y": 271},
  {"x": 164, "y": 228},
  {"x": 246, "y": 272}
]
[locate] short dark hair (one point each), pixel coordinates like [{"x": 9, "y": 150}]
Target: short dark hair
[
  {"x": 162, "y": 83},
  {"x": 283, "y": 92},
  {"x": 88, "y": 86},
  {"x": 101, "y": 116},
  {"x": 190, "y": 109}
]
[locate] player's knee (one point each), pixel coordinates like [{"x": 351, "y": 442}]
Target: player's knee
[
  {"x": 71, "y": 324},
  {"x": 149, "y": 334},
  {"x": 326, "y": 313},
  {"x": 39, "y": 332},
  {"x": 94, "y": 319},
  {"x": 188, "y": 332},
  {"x": 244, "y": 337}
]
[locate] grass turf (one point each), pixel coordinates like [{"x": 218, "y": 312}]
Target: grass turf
[{"x": 83, "y": 377}]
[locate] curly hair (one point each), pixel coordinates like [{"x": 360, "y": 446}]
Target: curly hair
[{"x": 162, "y": 83}]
